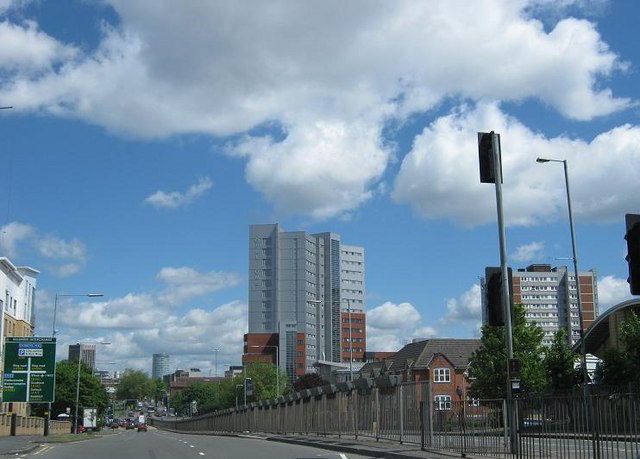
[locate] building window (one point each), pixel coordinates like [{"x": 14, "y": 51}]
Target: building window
[
  {"x": 441, "y": 375},
  {"x": 442, "y": 402}
]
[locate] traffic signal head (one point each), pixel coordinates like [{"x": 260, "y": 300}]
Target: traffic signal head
[
  {"x": 494, "y": 296},
  {"x": 633, "y": 251},
  {"x": 485, "y": 150}
]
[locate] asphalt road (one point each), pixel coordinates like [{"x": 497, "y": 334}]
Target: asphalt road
[{"x": 157, "y": 444}]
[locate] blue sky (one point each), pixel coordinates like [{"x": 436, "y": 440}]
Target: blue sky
[{"x": 146, "y": 136}]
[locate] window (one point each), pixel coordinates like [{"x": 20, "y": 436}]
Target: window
[
  {"x": 442, "y": 402},
  {"x": 441, "y": 375}
]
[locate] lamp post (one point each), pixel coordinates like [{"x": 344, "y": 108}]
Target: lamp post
[
  {"x": 583, "y": 352},
  {"x": 53, "y": 327},
  {"x": 78, "y": 382},
  {"x": 215, "y": 362},
  {"x": 60, "y": 295},
  {"x": 277, "y": 348}
]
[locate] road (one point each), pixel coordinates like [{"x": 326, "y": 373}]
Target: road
[{"x": 157, "y": 444}]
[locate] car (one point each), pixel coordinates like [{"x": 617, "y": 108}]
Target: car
[
  {"x": 130, "y": 425},
  {"x": 142, "y": 427}
]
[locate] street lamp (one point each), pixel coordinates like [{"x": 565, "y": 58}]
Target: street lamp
[
  {"x": 277, "y": 348},
  {"x": 583, "y": 352},
  {"x": 78, "y": 381},
  {"x": 53, "y": 326},
  {"x": 60, "y": 295}
]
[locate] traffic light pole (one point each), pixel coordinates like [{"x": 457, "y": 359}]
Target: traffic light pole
[{"x": 506, "y": 303}]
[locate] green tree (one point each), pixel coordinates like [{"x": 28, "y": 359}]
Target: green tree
[
  {"x": 159, "y": 389},
  {"x": 488, "y": 364},
  {"x": 134, "y": 385},
  {"x": 92, "y": 393},
  {"x": 622, "y": 366},
  {"x": 205, "y": 394},
  {"x": 559, "y": 364}
]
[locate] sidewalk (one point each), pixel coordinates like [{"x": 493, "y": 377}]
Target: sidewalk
[
  {"x": 10, "y": 446},
  {"x": 363, "y": 446}
]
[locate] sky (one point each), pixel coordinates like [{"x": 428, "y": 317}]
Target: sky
[{"x": 147, "y": 135}]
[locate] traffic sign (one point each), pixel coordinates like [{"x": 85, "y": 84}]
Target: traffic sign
[{"x": 29, "y": 369}]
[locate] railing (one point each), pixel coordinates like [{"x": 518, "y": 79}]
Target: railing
[{"x": 606, "y": 426}]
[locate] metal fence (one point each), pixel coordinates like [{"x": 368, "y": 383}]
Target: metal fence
[{"x": 600, "y": 426}]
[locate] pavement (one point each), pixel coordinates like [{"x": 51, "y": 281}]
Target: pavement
[{"x": 14, "y": 446}]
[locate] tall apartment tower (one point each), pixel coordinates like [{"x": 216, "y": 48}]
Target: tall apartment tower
[
  {"x": 85, "y": 352},
  {"x": 159, "y": 366},
  {"x": 550, "y": 298},
  {"x": 303, "y": 289}
]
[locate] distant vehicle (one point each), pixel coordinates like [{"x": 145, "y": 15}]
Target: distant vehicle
[{"x": 142, "y": 427}]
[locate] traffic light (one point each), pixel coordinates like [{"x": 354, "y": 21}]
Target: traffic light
[
  {"x": 248, "y": 386},
  {"x": 493, "y": 292},
  {"x": 485, "y": 149},
  {"x": 633, "y": 251}
]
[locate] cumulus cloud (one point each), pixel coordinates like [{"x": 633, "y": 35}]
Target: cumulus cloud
[
  {"x": 12, "y": 235},
  {"x": 62, "y": 258},
  {"x": 528, "y": 252},
  {"x": 611, "y": 291},
  {"x": 439, "y": 177},
  {"x": 140, "y": 310},
  {"x": 175, "y": 199},
  {"x": 331, "y": 82},
  {"x": 390, "y": 326},
  {"x": 466, "y": 310}
]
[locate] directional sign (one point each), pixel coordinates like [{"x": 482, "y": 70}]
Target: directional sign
[{"x": 29, "y": 369}]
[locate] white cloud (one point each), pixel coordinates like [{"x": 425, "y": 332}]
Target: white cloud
[
  {"x": 62, "y": 258},
  {"x": 466, "y": 310},
  {"x": 26, "y": 50},
  {"x": 322, "y": 169},
  {"x": 611, "y": 291},
  {"x": 12, "y": 235},
  {"x": 330, "y": 80},
  {"x": 140, "y": 310},
  {"x": 390, "y": 326},
  {"x": 439, "y": 178},
  {"x": 175, "y": 199},
  {"x": 528, "y": 252}
]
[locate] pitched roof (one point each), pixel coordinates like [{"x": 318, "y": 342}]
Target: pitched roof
[{"x": 419, "y": 355}]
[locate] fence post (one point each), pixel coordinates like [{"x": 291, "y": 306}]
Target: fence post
[
  {"x": 377, "y": 421},
  {"x": 400, "y": 408}
]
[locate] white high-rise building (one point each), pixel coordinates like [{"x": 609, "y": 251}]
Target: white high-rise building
[
  {"x": 159, "y": 366},
  {"x": 550, "y": 299},
  {"x": 302, "y": 289}
]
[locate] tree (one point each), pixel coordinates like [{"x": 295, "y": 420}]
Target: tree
[
  {"x": 559, "y": 364},
  {"x": 488, "y": 364},
  {"x": 92, "y": 393},
  {"x": 206, "y": 395},
  {"x": 159, "y": 389},
  {"x": 622, "y": 366},
  {"x": 307, "y": 381},
  {"x": 134, "y": 385}
]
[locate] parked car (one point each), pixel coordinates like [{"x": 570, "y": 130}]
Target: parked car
[{"x": 142, "y": 427}]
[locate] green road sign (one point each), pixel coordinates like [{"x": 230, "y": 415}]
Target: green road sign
[{"x": 29, "y": 369}]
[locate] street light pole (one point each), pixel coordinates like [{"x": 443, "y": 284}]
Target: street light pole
[
  {"x": 583, "y": 348},
  {"x": 350, "y": 339},
  {"x": 55, "y": 305},
  {"x": 583, "y": 351},
  {"x": 53, "y": 331}
]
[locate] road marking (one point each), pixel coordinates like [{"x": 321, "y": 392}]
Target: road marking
[
  {"x": 201, "y": 453},
  {"x": 191, "y": 446},
  {"x": 343, "y": 456}
]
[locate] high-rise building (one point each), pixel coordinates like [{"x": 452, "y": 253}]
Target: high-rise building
[
  {"x": 85, "y": 352},
  {"x": 159, "y": 366},
  {"x": 17, "y": 306},
  {"x": 306, "y": 299},
  {"x": 550, "y": 298}
]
